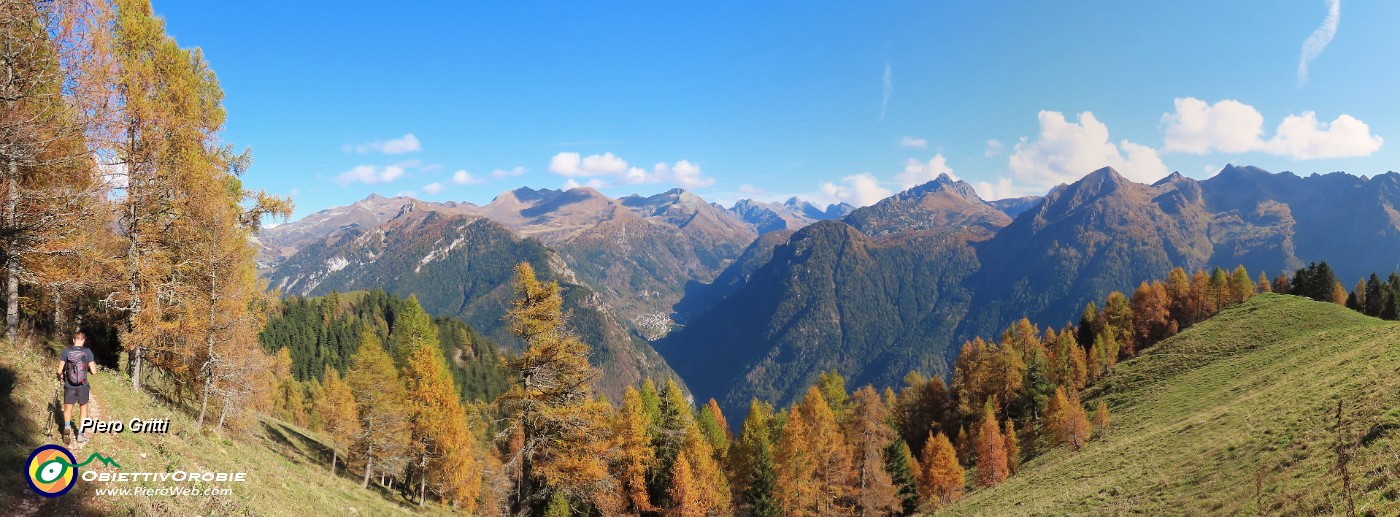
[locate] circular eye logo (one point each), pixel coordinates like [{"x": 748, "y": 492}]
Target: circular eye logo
[{"x": 51, "y": 470}]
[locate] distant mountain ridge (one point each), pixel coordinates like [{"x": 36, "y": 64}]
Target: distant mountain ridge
[
  {"x": 767, "y": 294},
  {"x": 461, "y": 265},
  {"x": 1076, "y": 244}
]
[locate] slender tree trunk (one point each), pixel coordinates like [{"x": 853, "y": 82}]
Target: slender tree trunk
[
  {"x": 133, "y": 254},
  {"x": 11, "y": 257},
  {"x": 209, "y": 358},
  {"x": 369, "y": 466},
  {"x": 335, "y": 452},
  {"x": 423, "y": 481},
  {"x": 58, "y": 313},
  {"x": 223, "y": 410}
]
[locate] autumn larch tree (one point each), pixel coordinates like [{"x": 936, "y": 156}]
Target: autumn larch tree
[
  {"x": 1151, "y": 313},
  {"x": 831, "y": 457},
  {"x": 1241, "y": 287},
  {"x": 796, "y": 469},
  {"x": 634, "y": 452},
  {"x": 943, "y": 477},
  {"x": 1055, "y": 417},
  {"x": 444, "y": 448},
  {"x": 1013, "y": 447},
  {"x": 1118, "y": 322},
  {"x": 562, "y": 429},
  {"x": 50, "y": 195},
  {"x": 336, "y": 410},
  {"x": 992, "y": 466},
  {"x": 870, "y": 435},
  {"x": 1077, "y": 427},
  {"x": 1101, "y": 418},
  {"x": 380, "y": 403},
  {"x": 683, "y": 492}
]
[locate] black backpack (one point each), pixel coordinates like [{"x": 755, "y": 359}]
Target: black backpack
[{"x": 76, "y": 369}]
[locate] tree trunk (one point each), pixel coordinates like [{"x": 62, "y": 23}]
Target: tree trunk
[
  {"x": 58, "y": 314},
  {"x": 423, "y": 482},
  {"x": 136, "y": 369},
  {"x": 223, "y": 410},
  {"x": 369, "y": 464},
  {"x": 11, "y": 257},
  {"x": 334, "y": 454},
  {"x": 209, "y": 357}
]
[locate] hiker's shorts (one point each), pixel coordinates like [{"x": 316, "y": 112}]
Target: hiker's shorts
[{"x": 76, "y": 395}]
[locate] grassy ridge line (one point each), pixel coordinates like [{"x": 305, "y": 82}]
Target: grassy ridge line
[
  {"x": 1245, "y": 399},
  {"x": 287, "y": 474}
]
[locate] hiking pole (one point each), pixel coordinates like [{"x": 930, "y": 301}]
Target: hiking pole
[{"x": 55, "y": 408}]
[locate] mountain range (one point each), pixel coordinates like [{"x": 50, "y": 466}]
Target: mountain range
[
  {"x": 756, "y": 299},
  {"x": 623, "y": 262}
]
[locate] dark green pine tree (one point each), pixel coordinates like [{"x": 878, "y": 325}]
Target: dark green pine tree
[
  {"x": 902, "y": 473},
  {"x": 1374, "y": 300},
  {"x": 759, "y": 494}
]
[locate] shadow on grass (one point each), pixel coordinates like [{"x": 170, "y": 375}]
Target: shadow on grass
[
  {"x": 26, "y": 403},
  {"x": 302, "y": 448}
]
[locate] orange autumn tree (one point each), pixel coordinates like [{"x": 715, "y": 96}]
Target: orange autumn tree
[
  {"x": 684, "y": 492},
  {"x": 1101, "y": 418},
  {"x": 871, "y": 435},
  {"x": 562, "y": 430},
  {"x": 796, "y": 469},
  {"x": 1077, "y": 430},
  {"x": 992, "y": 466},
  {"x": 336, "y": 409},
  {"x": 1013, "y": 447},
  {"x": 814, "y": 460},
  {"x": 634, "y": 452},
  {"x": 942, "y": 478},
  {"x": 442, "y": 444}
]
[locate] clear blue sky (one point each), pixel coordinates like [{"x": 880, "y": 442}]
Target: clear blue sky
[{"x": 769, "y": 99}]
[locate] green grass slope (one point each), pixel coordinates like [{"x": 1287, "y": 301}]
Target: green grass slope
[
  {"x": 286, "y": 466},
  {"x": 1235, "y": 416}
]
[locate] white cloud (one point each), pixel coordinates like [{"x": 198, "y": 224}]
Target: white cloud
[
  {"x": 1319, "y": 39},
  {"x": 506, "y": 173},
  {"x": 1002, "y": 189},
  {"x": 918, "y": 173},
  {"x": 432, "y": 188},
  {"x": 1065, "y": 151},
  {"x": 462, "y": 177},
  {"x": 370, "y": 175},
  {"x": 404, "y": 144},
  {"x": 917, "y": 143},
  {"x": 1228, "y": 126},
  {"x": 571, "y": 165},
  {"x": 859, "y": 190},
  {"x": 682, "y": 173},
  {"x": 887, "y": 90},
  {"x": 994, "y": 148},
  {"x": 594, "y": 183},
  {"x": 1302, "y": 137},
  {"x": 608, "y": 170}
]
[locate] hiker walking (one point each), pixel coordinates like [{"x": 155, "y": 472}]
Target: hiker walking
[{"x": 75, "y": 363}]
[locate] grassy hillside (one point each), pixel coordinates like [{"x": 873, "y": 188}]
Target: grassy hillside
[
  {"x": 1246, "y": 399},
  {"x": 286, "y": 466}
]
